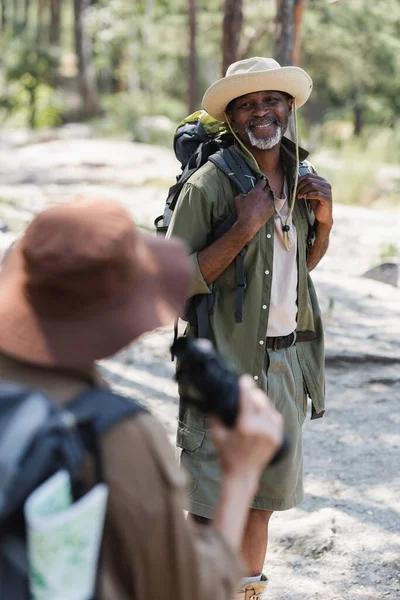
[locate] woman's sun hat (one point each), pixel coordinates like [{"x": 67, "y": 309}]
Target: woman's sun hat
[
  {"x": 83, "y": 282},
  {"x": 255, "y": 75}
]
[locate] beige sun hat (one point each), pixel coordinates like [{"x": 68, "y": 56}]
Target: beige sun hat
[{"x": 255, "y": 75}]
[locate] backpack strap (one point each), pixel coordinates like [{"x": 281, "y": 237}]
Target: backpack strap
[
  {"x": 237, "y": 169},
  {"x": 312, "y": 226},
  {"x": 105, "y": 406},
  {"x": 96, "y": 410}
]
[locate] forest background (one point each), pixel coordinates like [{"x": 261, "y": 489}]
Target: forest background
[{"x": 136, "y": 68}]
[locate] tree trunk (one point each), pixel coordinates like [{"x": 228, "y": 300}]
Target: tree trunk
[
  {"x": 284, "y": 36},
  {"x": 192, "y": 62},
  {"x": 40, "y": 24},
  {"x": 358, "y": 111},
  {"x": 55, "y": 22},
  {"x": 15, "y": 16},
  {"x": 3, "y": 14},
  {"x": 83, "y": 49},
  {"x": 232, "y": 28},
  {"x": 32, "y": 107},
  {"x": 298, "y": 10},
  {"x": 26, "y": 13}
]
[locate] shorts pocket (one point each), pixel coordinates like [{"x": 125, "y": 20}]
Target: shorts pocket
[
  {"x": 191, "y": 441},
  {"x": 189, "y": 438}
]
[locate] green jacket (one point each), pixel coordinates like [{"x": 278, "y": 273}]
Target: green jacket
[{"x": 205, "y": 201}]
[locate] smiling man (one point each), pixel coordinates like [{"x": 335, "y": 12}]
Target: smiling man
[{"x": 284, "y": 222}]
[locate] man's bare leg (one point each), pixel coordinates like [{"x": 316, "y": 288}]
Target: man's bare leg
[{"x": 255, "y": 539}]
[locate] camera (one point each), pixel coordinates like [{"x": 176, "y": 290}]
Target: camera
[{"x": 207, "y": 381}]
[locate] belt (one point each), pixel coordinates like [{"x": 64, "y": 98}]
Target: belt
[{"x": 279, "y": 343}]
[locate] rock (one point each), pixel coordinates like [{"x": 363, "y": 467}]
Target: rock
[{"x": 387, "y": 272}]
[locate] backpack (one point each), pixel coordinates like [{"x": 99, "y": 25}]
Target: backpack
[
  {"x": 200, "y": 138},
  {"x": 37, "y": 438}
]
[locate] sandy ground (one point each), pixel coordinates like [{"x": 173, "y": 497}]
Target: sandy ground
[{"x": 343, "y": 542}]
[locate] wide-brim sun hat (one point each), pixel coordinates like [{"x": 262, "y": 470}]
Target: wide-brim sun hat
[
  {"x": 256, "y": 75},
  {"x": 83, "y": 282}
]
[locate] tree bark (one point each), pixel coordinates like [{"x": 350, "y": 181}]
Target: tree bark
[
  {"x": 55, "y": 22},
  {"x": 298, "y": 11},
  {"x": 284, "y": 36},
  {"x": 40, "y": 25},
  {"x": 26, "y": 13},
  {"x": 3, "y": 14},
  {"x": 192, "y": 62},
  {"x": 232, "y": 28},
  {"x": 83, "y": 49},
  {"x": 358, "y": 111},
  {"x": 32, "y": 107},
  {"x": 15, "y": 16}
]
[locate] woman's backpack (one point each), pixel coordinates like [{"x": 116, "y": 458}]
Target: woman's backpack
[{"x": 37, "y": 439}]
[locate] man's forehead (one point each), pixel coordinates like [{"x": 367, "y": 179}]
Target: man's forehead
[{"x": 259, "y": 92}]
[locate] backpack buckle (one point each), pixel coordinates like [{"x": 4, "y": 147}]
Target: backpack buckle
[{"x": 68, "y": 419}]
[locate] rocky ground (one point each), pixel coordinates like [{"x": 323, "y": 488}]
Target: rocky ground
[{"x": 343, "y": 543}]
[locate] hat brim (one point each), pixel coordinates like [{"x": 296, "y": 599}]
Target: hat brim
[
  {"x": 292, "y": 80},
  {"x": 96, "y": 332}
]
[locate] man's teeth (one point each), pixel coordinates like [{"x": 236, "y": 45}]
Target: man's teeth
[{"x": 264, "y": 125}]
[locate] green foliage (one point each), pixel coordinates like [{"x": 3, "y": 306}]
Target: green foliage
[
  {"x": 389, "y": 251},
  {"x": 352, "y": 51},
  {"x": 356, "y": 167},
  {"x": 131, "y": 114},
  {"x": 26, "y": 73},
  {"x": 15, "y": 107},
  {"x": 351, "y": 48}
]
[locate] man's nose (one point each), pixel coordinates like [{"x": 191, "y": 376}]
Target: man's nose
[{"x": 260, "y": 110}]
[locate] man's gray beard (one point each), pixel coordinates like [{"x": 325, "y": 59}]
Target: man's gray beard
[{"x": 265, "y": 143}]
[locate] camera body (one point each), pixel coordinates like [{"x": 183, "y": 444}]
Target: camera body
[{"x": 207, "y": 381}]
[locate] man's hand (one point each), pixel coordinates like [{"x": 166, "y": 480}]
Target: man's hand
[
  {"x": 258, "y": 433},
  {"x": 255, "y": 208},
  {"x": 319, "y": 192}
]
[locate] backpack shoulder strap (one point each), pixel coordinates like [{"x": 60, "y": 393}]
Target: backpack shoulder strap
[
  {"x": 237, "y": 169},
  {"x": 104, "y": 406},
  {"x": 304, "y": 169},
  {"x": 96, "y": 410}
]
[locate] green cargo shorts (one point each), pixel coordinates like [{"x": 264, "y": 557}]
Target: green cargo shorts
[{"x": 281, "y": 486}]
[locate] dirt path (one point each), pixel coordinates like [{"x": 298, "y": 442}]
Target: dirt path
[{"x": 343, "y": 543}]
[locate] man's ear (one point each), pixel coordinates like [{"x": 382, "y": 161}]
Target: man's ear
[{"x": 290, "y": 104}]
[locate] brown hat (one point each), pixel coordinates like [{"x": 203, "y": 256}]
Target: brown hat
[{"x": 82, "y": 283}]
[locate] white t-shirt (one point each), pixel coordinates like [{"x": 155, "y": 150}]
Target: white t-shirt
[{"x": 283, "y": 304}]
